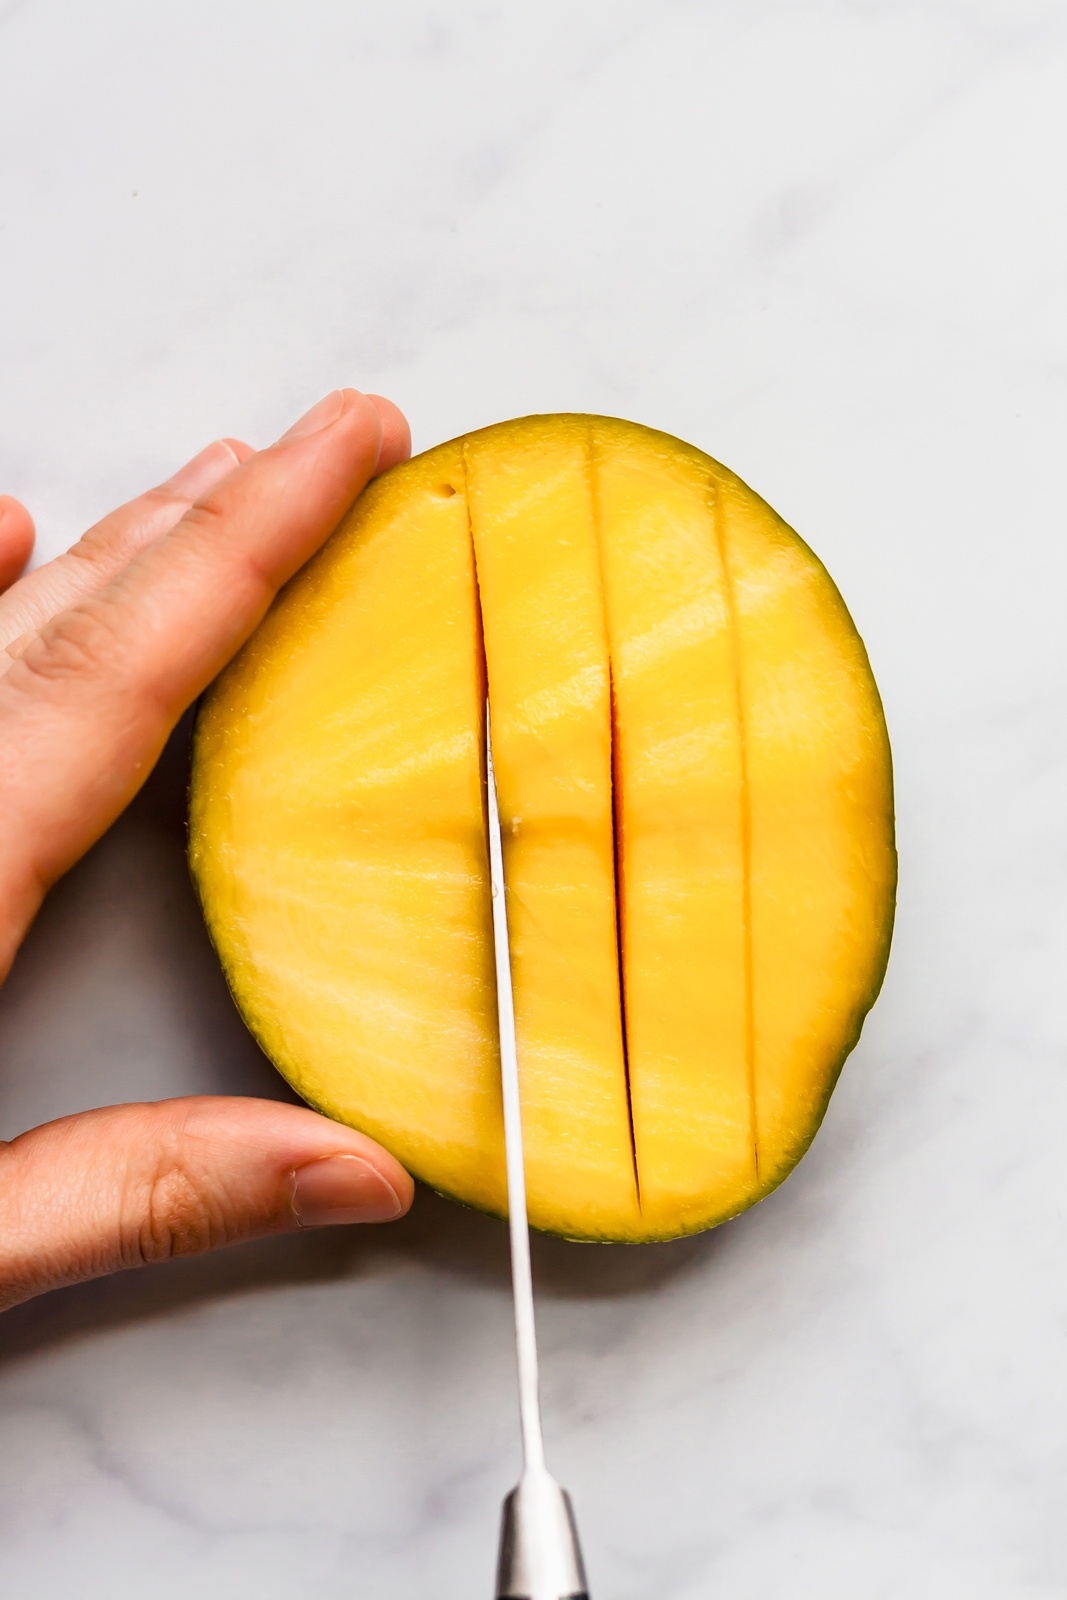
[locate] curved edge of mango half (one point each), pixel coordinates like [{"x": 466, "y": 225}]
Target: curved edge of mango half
[{"x": 696, "y": 792}]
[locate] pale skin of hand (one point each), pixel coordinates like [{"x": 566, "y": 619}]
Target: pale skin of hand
[{"x": 101, "y": 651}]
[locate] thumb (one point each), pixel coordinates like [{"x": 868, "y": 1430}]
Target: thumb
[
  {"x": 16, "y": 537},
  {"x": 133, "y": 1184}
]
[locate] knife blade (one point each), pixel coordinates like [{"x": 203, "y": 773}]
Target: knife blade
[{"x": 539, "y": 1557}]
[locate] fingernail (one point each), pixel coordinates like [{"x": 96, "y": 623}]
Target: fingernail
[
  {"x": 204, "y": 471},
  {"x": 320, "y": 416},
  {"x": 342, "y": 1189}
]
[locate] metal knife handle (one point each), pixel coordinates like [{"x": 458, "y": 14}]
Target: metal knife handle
[{"x": 540, "y": 1557}]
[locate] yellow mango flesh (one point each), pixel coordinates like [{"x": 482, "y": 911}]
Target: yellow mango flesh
[{"x": 695, "y": 790}]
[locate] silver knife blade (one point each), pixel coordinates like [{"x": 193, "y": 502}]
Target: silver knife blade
[{"x": 540, "y": 1557}]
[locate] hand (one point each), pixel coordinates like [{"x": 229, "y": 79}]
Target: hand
[{"x": 101, "y": 651}]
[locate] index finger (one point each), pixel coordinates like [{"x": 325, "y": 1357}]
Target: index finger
[{"x": 85, "y": 712}]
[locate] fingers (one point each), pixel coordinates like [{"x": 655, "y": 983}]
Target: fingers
[
  {"x": 134, "y": 1184},
  {"x": 110, "y": 545},
  {"x": 16, "y": 539},
  {"x": 85, "y": 711},
  {"x": 396, "y": 435}
]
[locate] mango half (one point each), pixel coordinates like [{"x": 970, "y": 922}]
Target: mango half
[{"x": 696, "y": 796}]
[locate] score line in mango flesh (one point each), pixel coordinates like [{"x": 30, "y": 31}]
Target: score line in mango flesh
[{"x": 696, "y": 795}]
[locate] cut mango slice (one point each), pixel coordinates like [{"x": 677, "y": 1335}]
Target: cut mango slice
[{"x": 696, "y": 795}]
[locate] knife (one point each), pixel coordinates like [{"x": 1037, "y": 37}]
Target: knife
[{"x": 540, "y": 1557}]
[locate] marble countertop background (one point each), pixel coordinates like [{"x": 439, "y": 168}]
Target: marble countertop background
[{"x": 826, "y": 241}]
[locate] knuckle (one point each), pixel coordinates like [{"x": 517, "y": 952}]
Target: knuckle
[
  {"x": 206, "y": 515},
  {"x": 164, "y": 498},
  {"x": 156, "y": 511},
  {"x": 176, "y": 1217},
  {"x": 89, "y": 551},
  {"x": 213, "y": 519},
  {"x": 77, "y": 642},
  {"x": 109, "y": 543}
]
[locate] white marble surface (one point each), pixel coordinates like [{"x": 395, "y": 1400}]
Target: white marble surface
[{"x": 826, "y": 241}]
